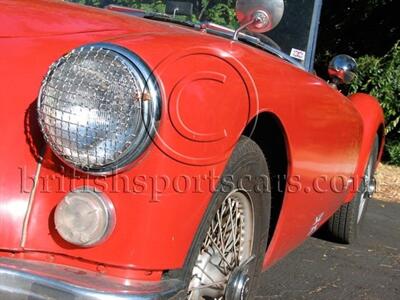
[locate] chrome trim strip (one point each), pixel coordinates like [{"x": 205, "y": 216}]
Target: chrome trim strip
[
  {"x": 222, "y": 31},
  {"x": 21, "y": 279}
]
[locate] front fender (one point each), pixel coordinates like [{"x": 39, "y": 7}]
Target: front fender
[
  {"x": 373, "y": 123},
  {"x": 208, "y": 96}
]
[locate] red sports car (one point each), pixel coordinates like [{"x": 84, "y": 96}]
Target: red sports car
[{"x": 148, "y": 153}]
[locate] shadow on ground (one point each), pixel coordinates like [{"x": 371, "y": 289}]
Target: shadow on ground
[{"x": 369, "y": 269}]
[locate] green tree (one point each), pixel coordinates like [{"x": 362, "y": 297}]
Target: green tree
[
  {"x": 220, "y": 12},
  {"x": 89, "y": 2},
  {"x": 380, "y": 77}
]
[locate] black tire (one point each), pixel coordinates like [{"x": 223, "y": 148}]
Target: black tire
[
  {"x": 247, "y": 159},
  {"x": 345, "y": 224}
]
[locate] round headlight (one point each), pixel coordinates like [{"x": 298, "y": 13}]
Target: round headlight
[
  {"x": 98, "y": 108},
  {"x": 84, "y": 218}
]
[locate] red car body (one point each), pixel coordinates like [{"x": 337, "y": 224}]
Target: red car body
[{"x": 212, "y": 89}]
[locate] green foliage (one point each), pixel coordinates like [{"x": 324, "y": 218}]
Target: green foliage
[
  {"x": 221, "y": 12},
  {"x": 393, "y": 150},
  {"x": 89, "y": 2},
  {"x": 153, "y": 5},
  {"x": 380, "y": 77}
]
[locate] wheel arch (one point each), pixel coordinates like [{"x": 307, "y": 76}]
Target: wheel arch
[
  {"x": 267, "y": 131},
  {"x": 373, "y": 124},
  {"x": 381, "y": 137}
]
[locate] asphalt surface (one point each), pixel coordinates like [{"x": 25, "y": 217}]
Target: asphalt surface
[{"x": 368, "y": 269}]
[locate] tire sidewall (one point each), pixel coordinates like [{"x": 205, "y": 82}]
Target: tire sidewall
[
  {"x": 358, "y": 224},
  {"x": 372, "y": 160},
  {"x": 247, "y": 172}
]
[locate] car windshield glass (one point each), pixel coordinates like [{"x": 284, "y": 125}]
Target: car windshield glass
[{"x": 293, "y": 35}]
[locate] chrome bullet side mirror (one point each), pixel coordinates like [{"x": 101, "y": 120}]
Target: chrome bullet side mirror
[{"x": 342, "y": 69}]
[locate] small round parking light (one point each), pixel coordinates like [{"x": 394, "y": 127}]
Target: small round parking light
[{"x": 85, "y": 218}]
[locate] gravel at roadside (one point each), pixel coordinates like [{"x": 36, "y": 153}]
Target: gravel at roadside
[{"x": 388, "y": 183}]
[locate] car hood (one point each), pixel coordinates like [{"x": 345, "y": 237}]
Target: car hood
[{"x": 26, "y": 18}]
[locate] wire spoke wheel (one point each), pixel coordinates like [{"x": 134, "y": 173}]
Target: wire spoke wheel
[{"x": 228, "y": 242}]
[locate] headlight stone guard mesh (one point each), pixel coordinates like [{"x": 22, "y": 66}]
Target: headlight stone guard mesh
[{"x": 91, "y": 108}]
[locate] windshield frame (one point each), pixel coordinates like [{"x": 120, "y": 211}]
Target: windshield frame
[
  {"x": 313, "y": 36},
  {"x": 220, "y": 30}
]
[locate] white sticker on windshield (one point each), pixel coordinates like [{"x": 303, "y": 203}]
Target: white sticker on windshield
[{"x": 298, "y": 54}]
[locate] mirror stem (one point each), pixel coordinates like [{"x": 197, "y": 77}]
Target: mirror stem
[
  {"x": 241, "y": 28},
  {"x": 259, "y": 18}
]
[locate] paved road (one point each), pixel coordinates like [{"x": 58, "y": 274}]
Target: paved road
[{"x": 369, "y": 269}]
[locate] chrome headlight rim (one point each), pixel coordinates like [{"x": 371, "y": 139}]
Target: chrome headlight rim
[{"x": 151, "y": 107}]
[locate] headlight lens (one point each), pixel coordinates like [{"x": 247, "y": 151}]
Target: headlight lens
[
  {"x": 84, "y": 218},
  {"x": 98, "y": 108}
]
